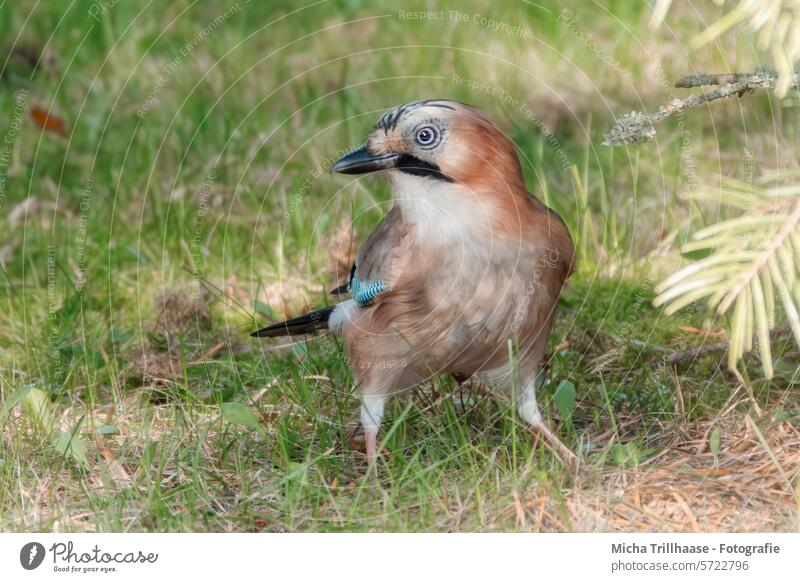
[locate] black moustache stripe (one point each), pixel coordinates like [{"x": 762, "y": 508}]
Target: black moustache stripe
[{"x": 416, "y": 167}]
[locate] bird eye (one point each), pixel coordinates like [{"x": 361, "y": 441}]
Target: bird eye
[{"x": 427, "y": 136}]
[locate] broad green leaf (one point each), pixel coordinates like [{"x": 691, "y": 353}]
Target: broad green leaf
[
  {"x": 13, "y": 400},
  {"x": 263, "y": 308},
  {"x": 714, "y": 441},
  {"x": 107, "y": 429},
  {"x": 565, "y": 398},
  {"x": 238, "y": 413},
  {"x": 300, "y": 350},
  {"x": 629, "y": 454},
  {"x": 38, "y": 406},
  {"x": 71, "y": 446}
]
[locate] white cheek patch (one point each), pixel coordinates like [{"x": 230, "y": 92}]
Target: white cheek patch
[
  {"x": 453, "y": 155},
  {"x": 341, "y": 315}
]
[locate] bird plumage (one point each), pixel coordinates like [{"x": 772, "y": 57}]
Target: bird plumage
[
  {"x": 311, "y": 322},
  {"x": 466, "y": 261}
]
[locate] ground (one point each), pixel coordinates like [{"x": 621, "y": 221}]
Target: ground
[{"x": 165, "y": 190}]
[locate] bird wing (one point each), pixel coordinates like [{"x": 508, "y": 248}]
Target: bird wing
[
  {"x": 344, "y": 287},
  {"x": 380, "y": 260}
]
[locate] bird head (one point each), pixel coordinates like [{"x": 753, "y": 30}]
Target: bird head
[{"x": 438, "y": 140}]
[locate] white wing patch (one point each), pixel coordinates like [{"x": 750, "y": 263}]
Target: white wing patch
[{"x": 341, "y": 315}]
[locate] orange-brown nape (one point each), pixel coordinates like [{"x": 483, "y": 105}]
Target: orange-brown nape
[
  {"x": 493, "y": 166},
  {"x": 493, "y": 170}
]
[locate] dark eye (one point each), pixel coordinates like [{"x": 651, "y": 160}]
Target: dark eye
[{"x": 427, "y": 135}]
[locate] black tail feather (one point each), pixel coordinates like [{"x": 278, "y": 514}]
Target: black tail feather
[{"x": 308, "y": 323}]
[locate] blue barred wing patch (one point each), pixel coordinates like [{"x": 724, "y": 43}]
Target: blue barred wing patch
[{"x": 365, "y": 292}]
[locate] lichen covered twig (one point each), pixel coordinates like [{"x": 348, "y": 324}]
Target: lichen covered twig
[{"x": 637, "y": 127}]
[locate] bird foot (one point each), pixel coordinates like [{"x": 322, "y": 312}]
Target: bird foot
[{"x": 554, "y": 444}]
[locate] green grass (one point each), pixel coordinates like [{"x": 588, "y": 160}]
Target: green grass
[{"x": 135, "y": 245}]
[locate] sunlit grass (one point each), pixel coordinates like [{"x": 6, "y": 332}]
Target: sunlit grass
[{"x": 139, "y": 252}]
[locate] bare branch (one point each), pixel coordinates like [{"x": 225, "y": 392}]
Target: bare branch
[
  {"x": 637, "y": 127},
  {"x": 699, "y": 351}
]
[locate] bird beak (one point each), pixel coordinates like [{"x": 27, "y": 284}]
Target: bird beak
[{"x": 360, "y": 161}]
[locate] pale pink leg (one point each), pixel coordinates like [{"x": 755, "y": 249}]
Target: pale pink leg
[
  {"x": 554, "y": 443},
  {"x": 371, "y": 439},
  {"x": 528, "y": 409}
]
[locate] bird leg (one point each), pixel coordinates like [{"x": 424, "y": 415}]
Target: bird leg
[
  {"x": 528, "y": 409},
  {"x": 552, "y": 441},
  {"x": 371, "y": 416},
  {"x": 371, "y": 438}
]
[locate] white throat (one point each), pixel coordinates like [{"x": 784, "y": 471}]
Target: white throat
[{"x": 442, "y": 213}]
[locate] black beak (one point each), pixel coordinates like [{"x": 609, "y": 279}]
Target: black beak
[{"x": 360, "y": 161}]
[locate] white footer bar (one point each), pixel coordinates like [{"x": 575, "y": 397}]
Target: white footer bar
[{"x": 401, "y": 557}]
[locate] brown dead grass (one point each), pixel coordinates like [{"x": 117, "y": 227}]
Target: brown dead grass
[
  {"x": 749, "y": 486},
  {"x": 184, "y": 317},
  {"x": 341, "y": 246},
  {"x": 183, "y": 310}
]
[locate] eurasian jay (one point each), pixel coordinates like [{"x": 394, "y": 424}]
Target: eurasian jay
[{"x": 464, "y": 270}]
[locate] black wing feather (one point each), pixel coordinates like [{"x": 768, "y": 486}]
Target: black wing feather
[{"x": 345, "y": 288}]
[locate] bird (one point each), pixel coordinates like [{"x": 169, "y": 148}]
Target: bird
[{"x": 461, "y": 276}]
